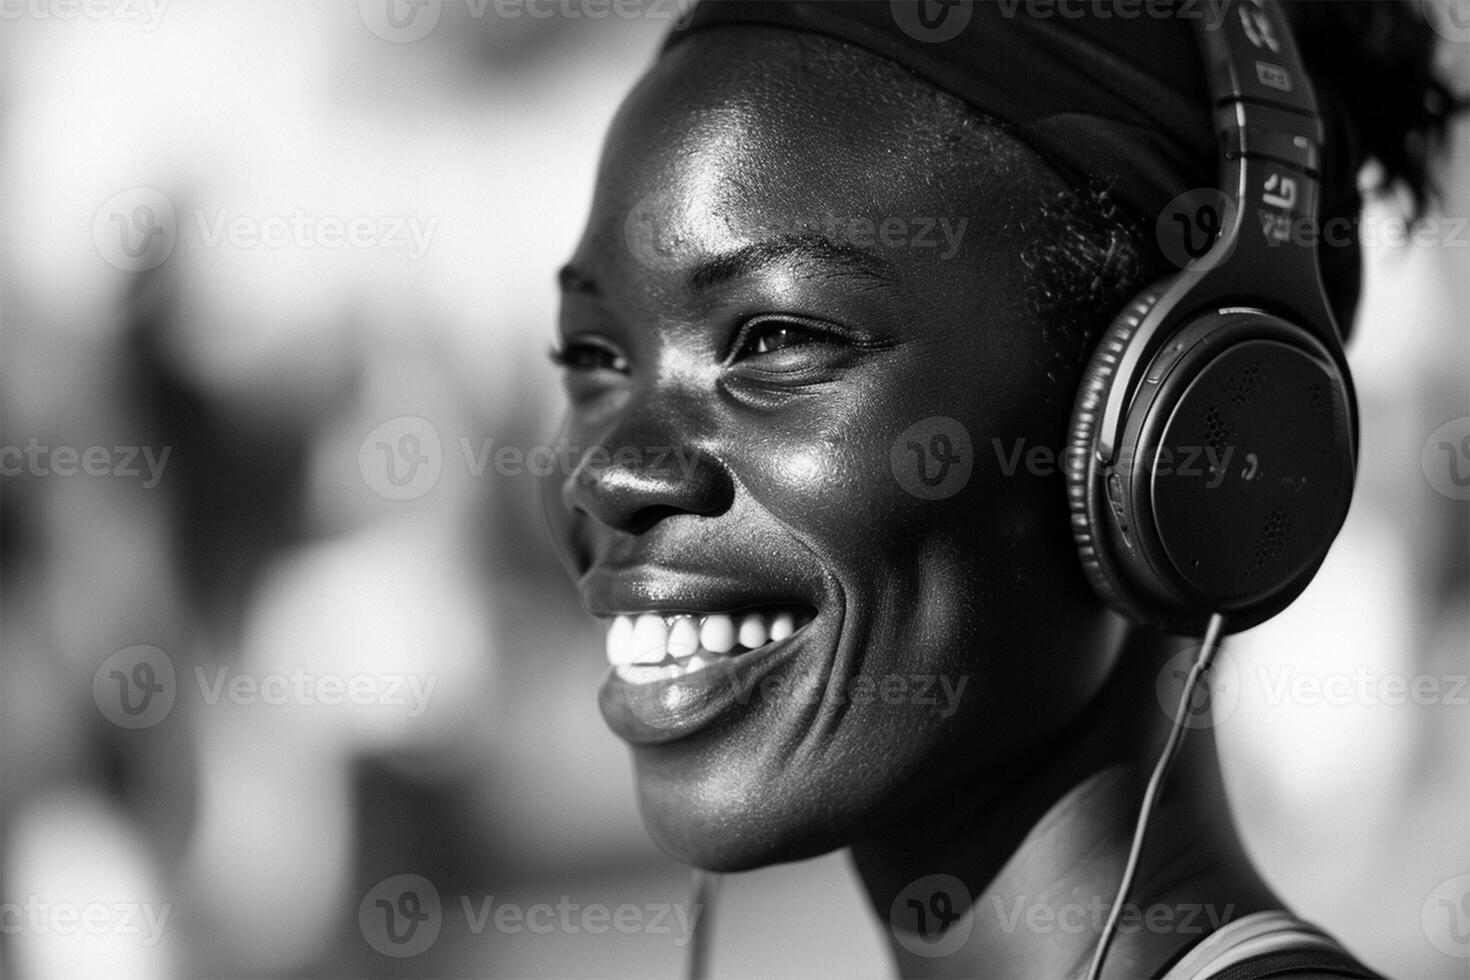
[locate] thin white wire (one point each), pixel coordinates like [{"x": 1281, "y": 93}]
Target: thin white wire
[
  {"x": 1155, "y": 784},
  {"x": 706, "y": 885}
]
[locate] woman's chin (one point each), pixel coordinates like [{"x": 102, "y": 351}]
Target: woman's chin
[{"x": 694, "y": 830}]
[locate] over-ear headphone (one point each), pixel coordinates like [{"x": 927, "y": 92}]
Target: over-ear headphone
[{"x": 1213, "y": 440}]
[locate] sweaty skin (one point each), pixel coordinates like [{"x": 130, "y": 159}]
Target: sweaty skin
[{"x": 735, "y": 299}]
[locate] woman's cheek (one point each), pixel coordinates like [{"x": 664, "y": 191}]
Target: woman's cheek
[{"x": 830, "y": 487}]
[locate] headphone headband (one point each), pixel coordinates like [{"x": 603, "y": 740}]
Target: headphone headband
[{"x": 1271, "y": 136}]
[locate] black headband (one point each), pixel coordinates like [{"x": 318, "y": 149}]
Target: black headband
[{"x": 1113, "y": 92}]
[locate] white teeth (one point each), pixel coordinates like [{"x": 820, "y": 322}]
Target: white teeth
[
  {"x": 649, "y": 646},
  {"x": 650, "y": 639},
  {"x": 620, "y": 641},
  {"x": 752, "y": 631},
  {"x": 683, "y": 637},
  {"x": 717, "y": 634}
]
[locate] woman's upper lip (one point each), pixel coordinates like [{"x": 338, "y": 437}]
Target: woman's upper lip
[{"x": 608, "y": 591}]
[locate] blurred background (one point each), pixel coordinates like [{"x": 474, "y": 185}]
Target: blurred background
[{"x": 279, "y": 636}]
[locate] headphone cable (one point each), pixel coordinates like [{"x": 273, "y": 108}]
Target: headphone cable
[
  {"x": 705, "y": 886},
  {"x": 1177, "y": 729}
]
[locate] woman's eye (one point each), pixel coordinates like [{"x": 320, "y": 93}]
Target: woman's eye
[
  {"x": 767, "y": 338},
  {"x": 584, "y": 356}
]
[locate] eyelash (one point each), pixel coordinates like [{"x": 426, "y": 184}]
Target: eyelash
[
  {"x": 761, "y": 327},
  {"x": 569, "y": 356}
]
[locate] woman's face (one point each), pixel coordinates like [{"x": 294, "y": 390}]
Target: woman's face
[{"x": 805, "y": 382}]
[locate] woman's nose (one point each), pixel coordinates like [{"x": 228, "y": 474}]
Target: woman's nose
[{"x": 631, "y": 487}]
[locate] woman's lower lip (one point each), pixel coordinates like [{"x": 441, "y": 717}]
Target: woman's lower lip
[{"x": 660, "y": 711}]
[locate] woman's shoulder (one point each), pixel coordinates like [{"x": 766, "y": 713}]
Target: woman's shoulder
[{"x": 1267, "y": 944}]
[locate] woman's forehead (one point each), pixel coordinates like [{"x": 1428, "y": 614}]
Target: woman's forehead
[
  {"x": 760, "y": 102},
  {"x": 734, "y": 137}
]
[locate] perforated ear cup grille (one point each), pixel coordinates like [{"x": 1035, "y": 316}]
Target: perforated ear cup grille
[
  {"x": 1087, "y": 525},
  {"x": 1239, "y": 526},
  {"x": 1217, "y": 432},
  {"x": 1319, "y": 400},
  {"x": 1275, "y": 535},
  {"x": 1245, "y": 382}
]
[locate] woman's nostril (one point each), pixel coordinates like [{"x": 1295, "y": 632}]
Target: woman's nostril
[
  {"x": 571, "y": 493},
  {"x": 646, "y": 518}
]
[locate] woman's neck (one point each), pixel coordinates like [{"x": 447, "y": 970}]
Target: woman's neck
[{"x": 1041, "y": 858}]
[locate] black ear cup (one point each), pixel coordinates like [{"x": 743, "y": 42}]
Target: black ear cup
[
  {"x": 1230, "y": 477},
  {"x": 1098, "y": 564}
]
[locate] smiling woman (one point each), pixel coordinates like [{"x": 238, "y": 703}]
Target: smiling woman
[{"x": 827, "y": 280}]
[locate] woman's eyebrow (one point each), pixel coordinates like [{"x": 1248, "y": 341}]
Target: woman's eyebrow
[
  {"x": 824, "y": 257},
  {"x": 815, "y": 254}
]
